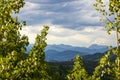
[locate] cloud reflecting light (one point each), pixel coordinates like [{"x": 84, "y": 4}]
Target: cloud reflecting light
[
  {"x": 72, "y": 22},
  {"x": 84, "y": 37}
]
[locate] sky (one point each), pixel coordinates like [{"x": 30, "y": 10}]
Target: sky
[{"x": 71, "y": 22}]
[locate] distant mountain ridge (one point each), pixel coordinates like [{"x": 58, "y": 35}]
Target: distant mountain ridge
[
  {"x": 91, "y": 50},
  {"x": 95, "y": 46},
  {"x": 67, "y": 52}
]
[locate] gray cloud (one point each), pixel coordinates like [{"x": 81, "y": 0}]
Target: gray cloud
[
  {"x": 50, "y": 1},
  {"x": 72, "y": 14},
  {"x": 70, "y": 20}
]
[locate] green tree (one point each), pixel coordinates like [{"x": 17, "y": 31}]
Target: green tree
[
  {"x": 14, "y": 63},
  {"x": 34, "y": 66},
  {"x": 12, "y": 44},
  {"x": 78, "y": 72},
  {"x": 31, "y": 67},
  {"x": 103, "y": 70},
  {"x": 112, "y": 9},
  {"x": 10, "y": 38}
]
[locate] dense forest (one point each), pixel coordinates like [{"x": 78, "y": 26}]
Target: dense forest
[{"x": 16, "y": 64}]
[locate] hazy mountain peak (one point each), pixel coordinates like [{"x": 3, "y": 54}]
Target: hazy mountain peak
[{"x": 96, "y": 46}]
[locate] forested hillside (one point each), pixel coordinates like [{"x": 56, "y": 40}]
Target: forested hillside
[{"x": 16, "y": 63}]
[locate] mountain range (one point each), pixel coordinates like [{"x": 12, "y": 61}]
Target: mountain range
[{"x": 67, "y": 52}]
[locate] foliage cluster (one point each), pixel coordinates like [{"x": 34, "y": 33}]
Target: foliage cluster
[{"x": 15, "y": 64}]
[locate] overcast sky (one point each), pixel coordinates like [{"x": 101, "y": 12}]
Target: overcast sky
[{"x": 71, "y": 22}]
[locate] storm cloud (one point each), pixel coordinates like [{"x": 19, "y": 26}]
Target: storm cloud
[
  {"x": 71, "y": 22},
  {"x": 72, "y": 14}
]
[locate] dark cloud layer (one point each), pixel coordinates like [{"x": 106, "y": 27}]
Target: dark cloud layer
[
  {"x": 50, "y": 1},
  {"x": 70, "y": 14}
]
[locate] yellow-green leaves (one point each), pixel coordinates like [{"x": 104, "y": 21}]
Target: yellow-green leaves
[
  {"x": 114, "y": 5},
  {"x": 112, "y": 18},
  {"x": 104, "y": 69},
  {"x": 10, "y": 38},
  {"x": 78, "y": 72},
  {"x": 111, "y": 9},
  {"x": 15, "y": 64}
]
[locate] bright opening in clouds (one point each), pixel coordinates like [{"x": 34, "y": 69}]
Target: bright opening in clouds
[{"x": 72, "y": 22}]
